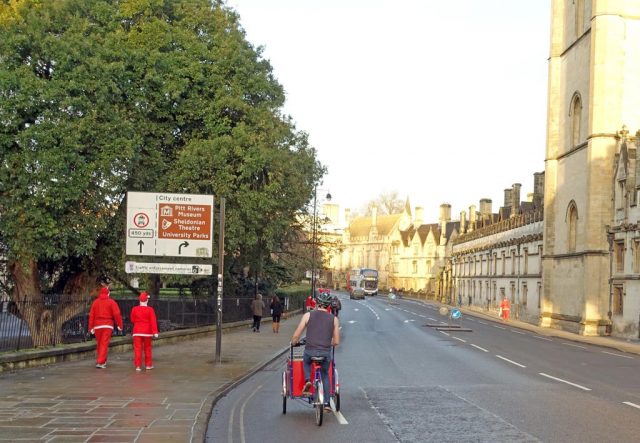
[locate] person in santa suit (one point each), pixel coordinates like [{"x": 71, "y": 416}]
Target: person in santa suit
[
  {"x": 145, "y": 326},
  {"x": 102, "y": 316}
]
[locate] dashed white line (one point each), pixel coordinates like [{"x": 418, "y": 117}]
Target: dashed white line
[
  {"x": 445, "y": 333},
  {"x": 483, "y": 322},
  {"x": 518, "y": 332},
  {"x": 564, "y": 381},
  {"x": 575, "y": 346},
  {"x": 542, "y": 338},
  {"x": 478, "y": 347},
  {"x": 617, "y": 355},
  {"x": 498, "y": 327},
  {"x": 432, "y": 319},
  {"x": 633, "y": 405},
  {"x": 242, "y": 437},
  {"x": 459, "y": 339},
  {"x": 510, "y": 361}
]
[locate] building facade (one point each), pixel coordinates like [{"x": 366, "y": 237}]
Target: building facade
[{"x": 594, "y": 67}]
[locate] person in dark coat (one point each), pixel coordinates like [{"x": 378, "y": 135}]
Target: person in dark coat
[
  {"x": 257, "y": 308},
  {"x": 276, "y": 312}
]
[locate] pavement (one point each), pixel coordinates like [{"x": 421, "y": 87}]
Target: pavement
[{"x": 76, "y": 402}]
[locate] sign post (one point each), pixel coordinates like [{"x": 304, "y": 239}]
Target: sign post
[{"x": 218, "y": 358}]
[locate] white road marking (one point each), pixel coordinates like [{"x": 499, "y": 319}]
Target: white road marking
[
  {"x": 356, "y": 309},
  {"x": 407, "y": 321},
  {"x": 498, "y": 327},
  {"x": 242, "y": 439},
  {"x": 518, "y": 332},
  {"x": 510, "y": 361},
  {"x": 387, "y": 309},
  {"x": 478, "y": 347},
  {"x": 617, "y": 355},
  {"x": 459, "y": 339},
  {"x": 483, "y": 322},
  {"x": 633, "y": 405},
  {"x": 542, "y": 338},
  {"x": 432, "y": 319},
  {"x": 575, "y": 346},
  {"x": 442, "y": 332},
  {"x": 564, "y": 381},
  {"x": 338, "y": 414},
  {"x": 352, "y": 321}
]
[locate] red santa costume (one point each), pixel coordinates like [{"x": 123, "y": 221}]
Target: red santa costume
[
  {"x": 103, "y": 314},
  {"x": 145, "y": 326}
]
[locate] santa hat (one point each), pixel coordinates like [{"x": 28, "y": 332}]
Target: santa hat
[
  {"x": 144, "y": 297},
  {"x": 104, "y": 291}
]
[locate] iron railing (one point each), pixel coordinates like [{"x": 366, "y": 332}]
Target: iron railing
[{"x": 60, "y": 323}]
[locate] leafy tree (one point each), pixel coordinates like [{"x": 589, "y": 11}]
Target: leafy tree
[{"x": 102, "y": 97}]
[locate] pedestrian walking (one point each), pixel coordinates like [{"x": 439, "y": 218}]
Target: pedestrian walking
[
  {"x": 276, "y": 313},
  {"x": 257, "y": 307},
  {"x": 505, "y": 308},
  {"x": 102, "y": 316},
  {"x": 310, "y": 304},
  {"x": 145, "y": 326}
]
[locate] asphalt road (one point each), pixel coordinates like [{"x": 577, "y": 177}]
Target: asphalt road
[{"x": 402, "y": 379}]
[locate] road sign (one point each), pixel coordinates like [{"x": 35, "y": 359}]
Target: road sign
[
  {"x": 173, "y": 225},
  {"x": 132, "y": 267},
  {"x": 455, "y": 313}
]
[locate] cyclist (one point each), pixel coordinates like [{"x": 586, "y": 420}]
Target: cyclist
[{"x": 323, "y": 331}]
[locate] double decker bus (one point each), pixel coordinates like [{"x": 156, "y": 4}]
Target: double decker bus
[{"x": 363, "y": 280}]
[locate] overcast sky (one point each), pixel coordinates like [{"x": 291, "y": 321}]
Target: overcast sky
[{"x": 441, "y": 101}]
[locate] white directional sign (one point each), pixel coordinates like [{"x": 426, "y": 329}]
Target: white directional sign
[
  {"x": 173, "y": 225},
  {"x": 132, "y": 267}
]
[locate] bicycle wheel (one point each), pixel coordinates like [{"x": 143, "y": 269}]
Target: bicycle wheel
[
  {"x": 284, "y": 392},
  {"x": 318, "y": 403}
]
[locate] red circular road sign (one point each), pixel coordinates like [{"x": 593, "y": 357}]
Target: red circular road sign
[{"x": 141, "y": 220}]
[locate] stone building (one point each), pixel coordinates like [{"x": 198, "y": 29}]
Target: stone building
[
  {"x": 594, "y": 67},
  {"x": 624, "y": 241},
  {"x": 407, "y": 252},
  {"x": 499, "y": 254}
]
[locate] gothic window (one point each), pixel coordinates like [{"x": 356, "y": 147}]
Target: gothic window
[
  {"x": 618, "y": 300},
  {"x": 513, "y": 262},
  {"x": 524, "y": 294},
  {"x": 415, "y": 266},
  {"x": 636, "y": 256},
  {"x": 572, "y": 219},
  {"x": 526, "y": 261},
  {"x": 504, "y": 263},
  {"x": 579, "y": 17},
  {"x": 618, "y": 250},
  {"x": 576, "y": 116}
]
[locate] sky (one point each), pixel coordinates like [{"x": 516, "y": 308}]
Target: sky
[{"x": 439, "y": 101}]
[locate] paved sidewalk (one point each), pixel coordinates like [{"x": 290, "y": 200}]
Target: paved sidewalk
[{"x": 75, "y": 402}]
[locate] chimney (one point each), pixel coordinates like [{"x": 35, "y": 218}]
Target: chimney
[
  {"x": 515, "y": 199},
  {"x": 463, "y": 221},
  {"x": 507, "y": 198},
  {"x": 485, "y": 211},
  {"x": 445, "y": 212},
  {"x": 472, "y": 217},
  {"x": 374, "y": 216},
  {"x": 418, "y": 217}
]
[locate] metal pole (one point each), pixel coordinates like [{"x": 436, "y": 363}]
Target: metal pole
[
  {"x": 518, "y": 287},
  {"x": 218, "y": 358},
  {"x": 314, "y": 241}
]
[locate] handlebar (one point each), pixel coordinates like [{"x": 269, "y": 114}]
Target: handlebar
[{"x": 302, "y": 342}]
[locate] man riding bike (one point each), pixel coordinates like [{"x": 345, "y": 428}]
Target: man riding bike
[{"x": 323, "y": 332}]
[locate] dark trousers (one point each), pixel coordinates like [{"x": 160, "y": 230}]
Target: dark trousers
[{"x": 256, "y": 322}]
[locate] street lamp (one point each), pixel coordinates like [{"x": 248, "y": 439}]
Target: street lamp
[{"x": 314, "y": 238}]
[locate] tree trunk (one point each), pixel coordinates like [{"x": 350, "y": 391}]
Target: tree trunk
[{"x": 45, "y": 317}]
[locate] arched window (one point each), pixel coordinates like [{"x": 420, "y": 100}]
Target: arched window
[
  {"x": 572, "y": 220},
  {"x": 579, "y": 17},
  {"x": 576, "y": 116}
]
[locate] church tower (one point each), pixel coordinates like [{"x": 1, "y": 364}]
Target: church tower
[{"x": 594, "y": 89}]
